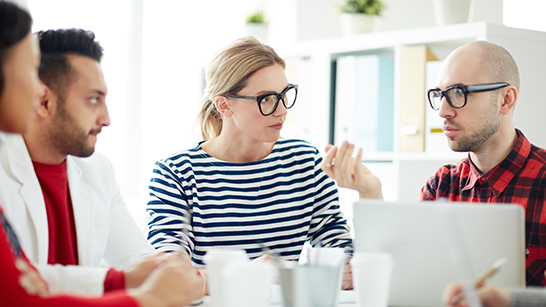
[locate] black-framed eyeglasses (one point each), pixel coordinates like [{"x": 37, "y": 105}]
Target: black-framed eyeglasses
[
  {"x": 268, "y": 103},
  {"x": 456, "y": 94}
]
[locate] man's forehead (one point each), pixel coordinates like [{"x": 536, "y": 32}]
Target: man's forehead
[
  {"x": 462, "y": 67},
  {"x": 87, "y": 72}
]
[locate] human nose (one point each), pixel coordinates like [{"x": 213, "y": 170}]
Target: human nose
[
  {"x": 446, "y": 110},
  {"x": 281, "y": 109},
  {"x": 104, "y": 117}
]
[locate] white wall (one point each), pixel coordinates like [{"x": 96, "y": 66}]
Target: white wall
[{"x": 154, "y": 92}]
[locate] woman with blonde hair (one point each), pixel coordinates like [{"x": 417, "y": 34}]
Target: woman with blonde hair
[{"x": 244, "y": 187}]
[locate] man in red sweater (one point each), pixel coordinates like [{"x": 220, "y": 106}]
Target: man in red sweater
[{"x": 70, "y": 210}]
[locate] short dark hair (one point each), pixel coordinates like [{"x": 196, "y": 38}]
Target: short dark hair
[
  {"x": 15, "y": 24},
  {"x": 55, "y": 45}
]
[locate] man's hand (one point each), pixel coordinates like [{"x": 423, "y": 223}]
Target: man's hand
[
  {"x": 349, "y": 172},
  {"x": 489, "y": 296},
  {"x": 30, "y": 280},
  {"x": 174, "y": 282},
  {"x": 136, "y": 274}
]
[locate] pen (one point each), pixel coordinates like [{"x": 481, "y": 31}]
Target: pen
[
  {"x": 267, "y": 251},
  {"x": 186, "y": 233},
  {"x": 481, "y": 280}
]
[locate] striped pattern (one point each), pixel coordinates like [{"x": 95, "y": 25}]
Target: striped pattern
[{"x": 280, "y": 202}]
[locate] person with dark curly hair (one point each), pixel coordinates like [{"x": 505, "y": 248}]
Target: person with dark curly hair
[{"x": 171, "y": 281}]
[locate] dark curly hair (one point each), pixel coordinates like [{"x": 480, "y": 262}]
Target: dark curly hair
[
  {"x": 15, "y": 24},
  {"x": 55, "y": 70}
]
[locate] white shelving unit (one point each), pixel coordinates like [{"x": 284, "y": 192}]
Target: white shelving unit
[{"x": 410, "y": 170}]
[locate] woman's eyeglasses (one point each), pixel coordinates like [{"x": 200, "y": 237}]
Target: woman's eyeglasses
[{"x": 268, "y": 103}]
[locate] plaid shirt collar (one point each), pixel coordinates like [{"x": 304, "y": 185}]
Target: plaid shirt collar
[{"x": 499, "y": 176}]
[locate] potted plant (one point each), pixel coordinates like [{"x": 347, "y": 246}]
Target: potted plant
[
  {"x": 452, "y": 11},
  {"x": 256, "y": 25},
  {"x": 358, "y": 16}
]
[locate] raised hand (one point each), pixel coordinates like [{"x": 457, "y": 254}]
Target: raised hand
[{"x": 349, "y": 172}]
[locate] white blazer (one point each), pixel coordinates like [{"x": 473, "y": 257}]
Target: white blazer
[{"x": 104, "y": 227}]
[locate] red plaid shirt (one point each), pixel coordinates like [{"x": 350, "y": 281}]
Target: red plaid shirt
[{"x": 519, "y": 179}]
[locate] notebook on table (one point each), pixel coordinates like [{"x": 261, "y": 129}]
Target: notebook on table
[{"x": 425, "y": 239}]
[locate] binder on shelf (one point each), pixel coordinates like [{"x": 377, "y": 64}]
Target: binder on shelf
[
  {"x": 435, "y": 141},
  {"x": 413, "y": 96},
  {"x": 344, "y": 128},
  {"x": 365, "y": 102}
]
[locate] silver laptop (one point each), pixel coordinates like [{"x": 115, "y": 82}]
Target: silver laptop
[{"x": 437, "y": 243}]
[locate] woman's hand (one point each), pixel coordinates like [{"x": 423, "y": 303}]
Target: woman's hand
[
  {"x": 30, "y": 280},
  {"x": 347, "y": 283}
]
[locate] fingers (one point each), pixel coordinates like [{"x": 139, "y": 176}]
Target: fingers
[
  {"x": 452, "y": 291},
  {"x": 358, "y": 162},
  {"x": 327, "y": 162},
  {"x": 30, "y": 280},
  {"x": 347, "y": 283},
  {"x": 344, "y": 163}
]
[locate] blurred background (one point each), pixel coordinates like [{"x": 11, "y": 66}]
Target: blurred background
[{"x": 156, "y": 51}]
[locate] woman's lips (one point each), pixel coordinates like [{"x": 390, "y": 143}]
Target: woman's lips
[{"x": 276, "y": 126}]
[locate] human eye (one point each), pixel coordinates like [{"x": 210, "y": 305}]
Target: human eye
[
  {"x": 268, "y": 103},
  {"x": 94, "y": 100},
  {"x": 435, "y": 93},
  {"x": 269, "y": 99},
  {"x": 457, "y": 96},
  {"x": 459, "y": 93}
]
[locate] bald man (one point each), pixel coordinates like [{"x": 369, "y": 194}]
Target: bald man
[{"x": 476, "y": 94}]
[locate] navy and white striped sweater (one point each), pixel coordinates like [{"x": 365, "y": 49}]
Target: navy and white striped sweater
[{"x": 280, "y": 201}]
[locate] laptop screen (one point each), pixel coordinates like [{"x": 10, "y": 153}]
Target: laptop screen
[{"x": 434, "y": 244}]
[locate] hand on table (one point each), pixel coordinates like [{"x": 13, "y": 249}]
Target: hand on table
[
  {"x": 347, "y": 283},
  {"x": 136, "y": 274},
  {"x": 490, "y": 296},
  {"x": 174, "y": 282},
  {"x": 349, "y": 172},
  {"x": 30, "y": 280}
]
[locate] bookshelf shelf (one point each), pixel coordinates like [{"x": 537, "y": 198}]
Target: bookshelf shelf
[{"x": 315, "y": 71}]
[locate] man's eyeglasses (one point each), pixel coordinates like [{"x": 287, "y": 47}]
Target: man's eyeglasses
[
  {"x": 268, "y": 103},
  {"x": 456, "y": 94}
]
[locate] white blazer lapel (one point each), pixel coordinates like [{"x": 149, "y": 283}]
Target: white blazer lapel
[
  {"x": 82, "y": 204},
  {"x": 30, "y": 191}
]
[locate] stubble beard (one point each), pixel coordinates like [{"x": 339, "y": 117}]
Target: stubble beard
[
  {"x": 67, "y": 137},
  {"x": 478, "y": 140}
]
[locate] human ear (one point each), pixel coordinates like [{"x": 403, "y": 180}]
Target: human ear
[
  {"x": 222, "y": 106},
  {"x": 46, "y": 101},
  {"x": 509, "y": 99}
]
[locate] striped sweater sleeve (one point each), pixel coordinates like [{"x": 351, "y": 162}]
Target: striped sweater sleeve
[
  {"x": 328, "y": 225},
  {"x": 169, "y": 209}
]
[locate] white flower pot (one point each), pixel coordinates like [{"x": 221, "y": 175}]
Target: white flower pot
[
  {"x": 258, "y": 30},
  {"x": 352, "y": 23},
  {"x": 451, "y": 11}
]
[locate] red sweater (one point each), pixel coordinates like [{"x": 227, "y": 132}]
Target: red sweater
[
  {"x": 63, "y": 240},
  {"x": 12, "y": 294}
]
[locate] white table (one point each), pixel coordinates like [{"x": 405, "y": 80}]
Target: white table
[{"x": 345, "y": 298}]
